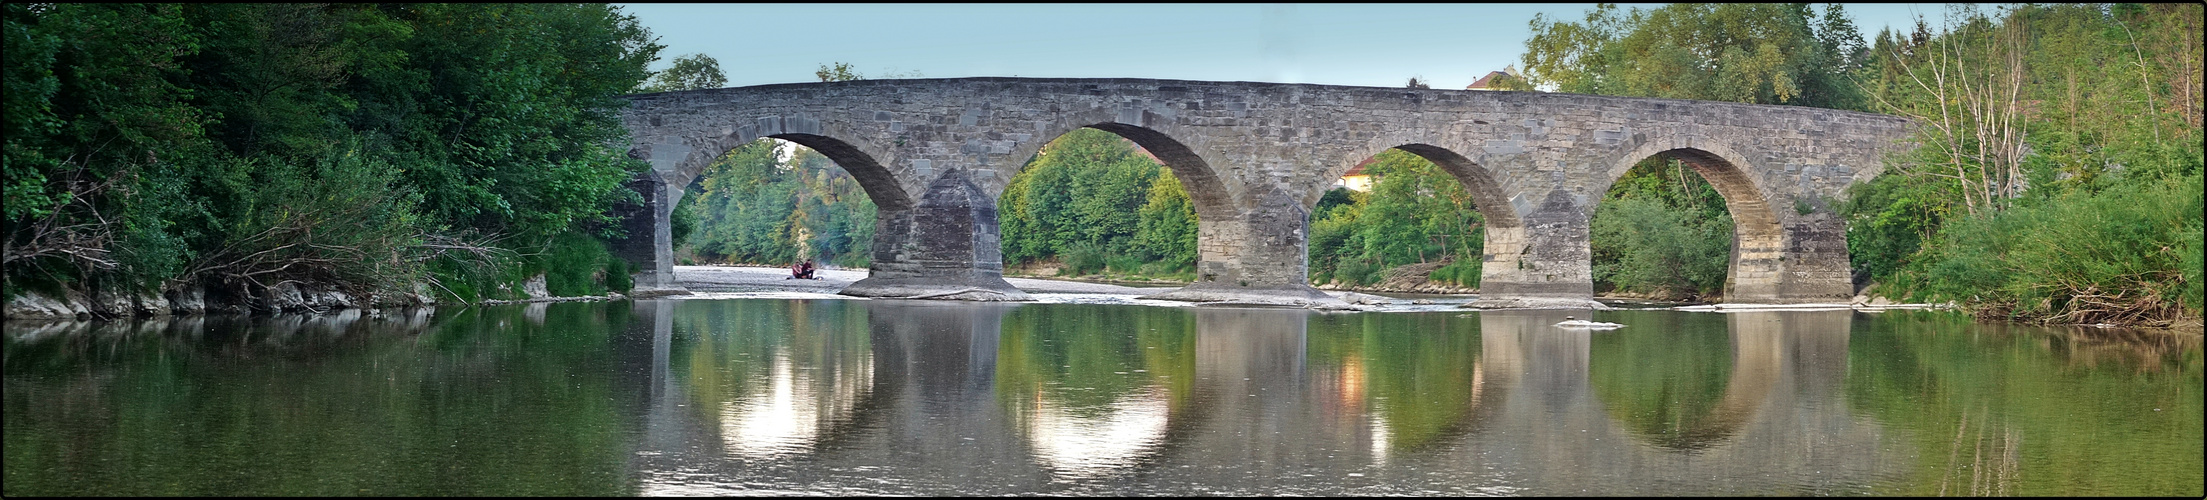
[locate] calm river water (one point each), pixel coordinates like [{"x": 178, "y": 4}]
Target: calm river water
[{"x": 834, "y": 397}]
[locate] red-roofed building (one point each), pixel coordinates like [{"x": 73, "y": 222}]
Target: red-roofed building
[
  {"x": 1357, "y": 179},
  {"x": 1487, "y": 82}
]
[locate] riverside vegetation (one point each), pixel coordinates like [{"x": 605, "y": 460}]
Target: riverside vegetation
[
  {"x": 2056, "y": 178},
  {"x": 367, "y": 154},
  {"x": 162, "y": 148}
]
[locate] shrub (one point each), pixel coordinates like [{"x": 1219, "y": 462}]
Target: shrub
[
  {"x": 1082, "y": 258},
  {"x": 2127, "y": 254},
  {"x": 1124, "y": 263},
  {"x": 1462, "y": 272},
  {"x": 1660, "y": 249},
  {"x": 571, "y": 263}
]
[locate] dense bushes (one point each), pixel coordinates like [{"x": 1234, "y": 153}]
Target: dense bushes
[
  {"x": 1661, "y": 231},
  {"x": 1091, "y": 200},
  {"x": 2128, "y": 254},
  {"x": 244, "y": 145},
  {"x": 2072, "y": 198}
]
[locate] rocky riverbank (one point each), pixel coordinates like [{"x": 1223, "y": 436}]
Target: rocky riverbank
[
  {"x": 1405, "y": 279},
  {"x": 75, "y": 303}
]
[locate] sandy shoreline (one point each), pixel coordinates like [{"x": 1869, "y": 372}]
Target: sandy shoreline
[
  {"x": 776, "y": 279},
  {"x": 774, "y": 282}
]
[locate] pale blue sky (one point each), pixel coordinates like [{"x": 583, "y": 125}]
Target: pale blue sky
[{"x": 1379, "y": 45}]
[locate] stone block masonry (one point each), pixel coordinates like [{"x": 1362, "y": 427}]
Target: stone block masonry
[{"x": 935, "y": 154}]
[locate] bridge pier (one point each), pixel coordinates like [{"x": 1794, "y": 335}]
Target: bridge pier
[
  {"x": 650, "y": 244},
  {"x": 1545, "y": 263},
  {"x": 1255, "y": 256},
  {"x": 1816, "y": 264},
  {"x": 946, "y": 247},
  {"x": 1798, "y": 258}
]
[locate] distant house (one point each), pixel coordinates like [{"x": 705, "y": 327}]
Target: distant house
[
  {"x": 1357, "y": 179},
  {"x": 1488, "y": 82}
]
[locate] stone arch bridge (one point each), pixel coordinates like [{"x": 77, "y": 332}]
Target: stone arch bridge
[{"x": 934, "y": 154}]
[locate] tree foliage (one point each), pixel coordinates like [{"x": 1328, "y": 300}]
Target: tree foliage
[
  {"x": 1752, "y": 53},
  {"x": 753, "y": 207},
  {"x": 2045, "y": 131},
  {"x": 1092, "y": 200},
  {"x": 1663, "y": 231},
  {"x": 249, "y": 144},
  {"x": 1415, "y": 213},
  {"x": 690, "y": 72}
]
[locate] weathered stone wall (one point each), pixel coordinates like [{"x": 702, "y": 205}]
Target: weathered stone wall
[{"x": 1256, "y": 156}]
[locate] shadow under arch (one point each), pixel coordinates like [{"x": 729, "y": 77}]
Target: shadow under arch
[
  {"x": 1505, "y": 241},
  {"x": 1757, "y": 269},
  {"x": 881, "y": 186},
  {"x": 1209, "y": 194},
  {"x": 1249, "y": 241},
  {"x": 1486, "y": 191}
]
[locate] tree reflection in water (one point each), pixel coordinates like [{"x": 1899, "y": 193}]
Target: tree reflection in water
[{"x": 834, "y": 397}]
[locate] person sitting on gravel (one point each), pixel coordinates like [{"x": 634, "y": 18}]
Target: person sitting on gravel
[{"x": 802, "y": 270}]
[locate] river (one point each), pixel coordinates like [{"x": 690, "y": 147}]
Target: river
[{"x": 832, "y": 396}]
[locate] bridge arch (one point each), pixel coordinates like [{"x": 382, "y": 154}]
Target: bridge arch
[
  {"x": 881, "y": 185},
  {"x": 1504, "y": 238},
  {"x": 1756, "y": 266},
  {"x": 1484, "y": 185},
  {"x": 1266, "y": 146},
  {"x": 1239, "y": 244},
  {"x": 1210, "y": 195}
]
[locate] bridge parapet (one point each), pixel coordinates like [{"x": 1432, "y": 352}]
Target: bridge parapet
[{"x": 1256, "y": 156}]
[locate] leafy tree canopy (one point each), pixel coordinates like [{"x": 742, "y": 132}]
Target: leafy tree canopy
[
  {"x": 1752, "y": 53},
  {"x": 690, "y": 72}
]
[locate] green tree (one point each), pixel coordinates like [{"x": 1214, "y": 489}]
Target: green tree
[
  {"x": 1661, "y": 230},
  {"x": 1752, "y": 53},
  {"x": 1416, "y": 213},
  {"x": 840, "y": 72},
  {"x": 1090, "y": 198},
  {"x": 1166, "y": 229},
  {"x": 690, "y": 72},
  {"x": 2035, "y": 118},
  {"x": 249, "y": 144}
]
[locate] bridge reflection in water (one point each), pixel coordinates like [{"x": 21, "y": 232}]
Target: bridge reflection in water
[{"x": 897, "y": 397}]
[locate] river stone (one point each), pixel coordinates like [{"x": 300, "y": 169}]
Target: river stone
[
  {"x": 283, "y": 297},
  {"x": 108, "y": 302},
  {"x": 188, "y": 299},
  {"x": 535, "y": 287},
  {"x": 389, "y": 298},
  {"x": 328, "y": 298},
  {"x": 1361, "y": 298},
  {"x": 1536, "y": 303},
  {"x": 151, "y": 304},
  {"x": 33, "y": 305}
]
